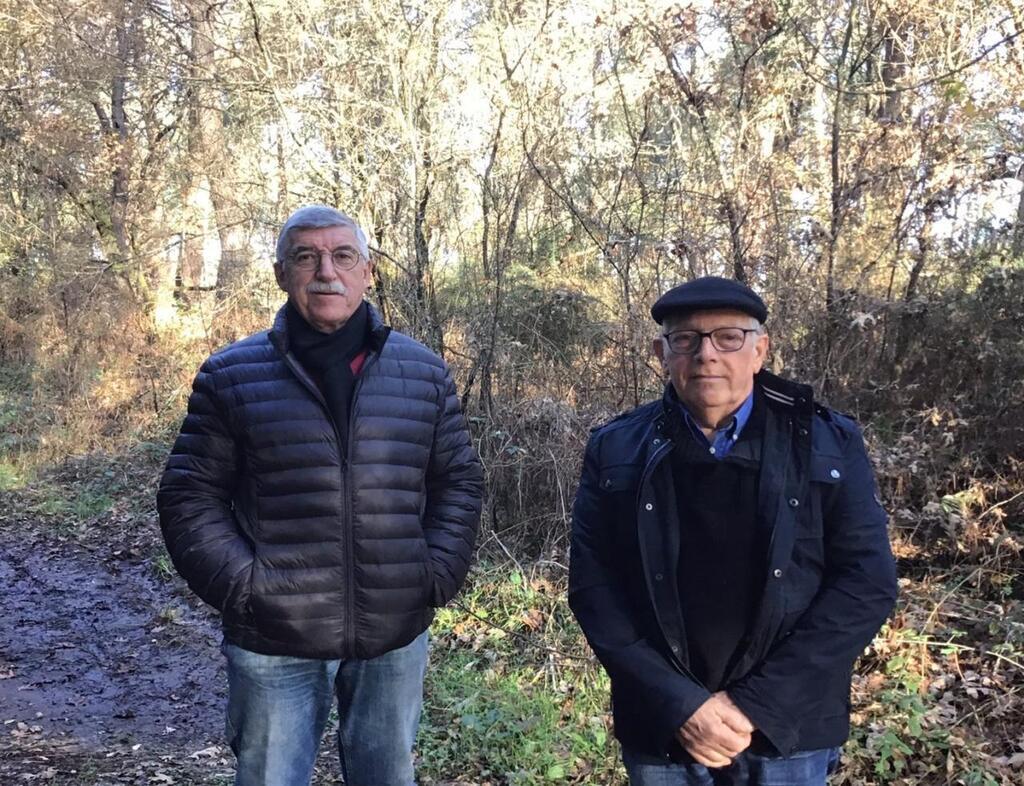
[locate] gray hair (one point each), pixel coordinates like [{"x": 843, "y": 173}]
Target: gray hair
[
  {"x": 673, "y": 318},
  {"x": 318, "y": 217}
]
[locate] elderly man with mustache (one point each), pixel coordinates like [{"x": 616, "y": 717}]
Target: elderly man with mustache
[{"x": 323, "y": 495}]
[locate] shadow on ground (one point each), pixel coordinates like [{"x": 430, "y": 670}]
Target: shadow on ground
[
  {"x": 106, "y": 675},
  {"x": 110, "y": 667}
]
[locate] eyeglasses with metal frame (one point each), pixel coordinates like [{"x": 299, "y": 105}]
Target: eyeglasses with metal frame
[
  {"x": 724, "y": 339},
  {"x": 343, "y": 259}
]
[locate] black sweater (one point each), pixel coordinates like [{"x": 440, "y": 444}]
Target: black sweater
[{"x": 721, "y": 557}]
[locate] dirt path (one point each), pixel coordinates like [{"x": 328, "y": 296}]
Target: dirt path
[
  {"x": 110, "y": 675},
  {"x": 107, "y": 675}
]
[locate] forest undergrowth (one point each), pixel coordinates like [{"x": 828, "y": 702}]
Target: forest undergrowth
[{"x": 513, "y": 694}]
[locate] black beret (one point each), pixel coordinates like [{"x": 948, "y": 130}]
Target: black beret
[{"x": 703, "y": 294}]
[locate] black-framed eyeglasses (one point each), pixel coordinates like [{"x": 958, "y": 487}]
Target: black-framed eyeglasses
[
  {"x": 342, "y": 258},
  {"x": 724, "y": 339}
]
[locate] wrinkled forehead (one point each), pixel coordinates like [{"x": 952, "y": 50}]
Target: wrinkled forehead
[
  {"x": 323, "y": 237},
  {"x": 708, "y": 319}
]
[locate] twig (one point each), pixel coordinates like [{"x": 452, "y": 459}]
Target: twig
[
  {"x": 391, "y": 259},
  {"x": 1000, "y": 504},
  {"x": 520, "y": 636},
  {"x": 926, "y": 642},
  {"x": 508, "y": 553},
  {"x": 947, "y": 596},
  {"x": 553, "y": 562}
]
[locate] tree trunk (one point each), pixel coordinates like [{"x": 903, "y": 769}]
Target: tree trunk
[
  {"x": 116, "y": 132},
  {"x": 217, "y": 218},
  {"x": 838, "y": 205},
  {"x": 425, "y": 306},
  {"x": 893, "y": 67},
  {"x": 1017, "y": 249}
]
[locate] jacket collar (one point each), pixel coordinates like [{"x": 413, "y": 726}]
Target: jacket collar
[
  {"x": 785, "y": 395},
  {"x": 378, "y": 331},
  {"x": 781, "y": 395}
]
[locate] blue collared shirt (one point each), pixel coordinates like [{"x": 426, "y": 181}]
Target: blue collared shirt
[{"x": 724, "y": 438}]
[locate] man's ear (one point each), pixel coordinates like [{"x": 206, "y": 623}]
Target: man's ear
[
  {"x": 279, "y": 274},
  {"x": 658, "y": 348},
  {"x": 761, "y": 350}
]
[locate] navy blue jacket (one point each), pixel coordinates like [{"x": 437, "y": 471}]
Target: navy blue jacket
[
  {"x": 308, "y": 546},
  {"x": 830, "y": 576}
]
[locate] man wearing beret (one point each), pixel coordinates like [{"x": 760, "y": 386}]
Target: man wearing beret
[{"x": 729, "y": 558}]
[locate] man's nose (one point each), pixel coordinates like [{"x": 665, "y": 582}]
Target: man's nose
[
  {"x": 705, "y": 349},
  {"x": 325, "y": 268}
]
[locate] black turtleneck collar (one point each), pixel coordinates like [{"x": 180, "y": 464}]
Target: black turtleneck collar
[
  {"x": 317, "y": 351},
  {"x": 328, "y": 358}
]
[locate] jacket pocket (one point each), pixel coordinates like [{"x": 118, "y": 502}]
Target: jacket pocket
[
  {"x": 825, "y": 476},
  {"x": 619, "y": 479},
  {"x": 807, "y": 563},
  {"x": 792, "y": 616},
  {"x": 238, "y": 607},
  {"x": 427, "y": 568},
  {"x": 617, "y": 493}
]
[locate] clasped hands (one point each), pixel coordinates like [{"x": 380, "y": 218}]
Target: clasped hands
[{"x": 717, "y": 732}]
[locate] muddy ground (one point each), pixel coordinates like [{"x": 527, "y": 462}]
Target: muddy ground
[{"x": 109, "y": 674}]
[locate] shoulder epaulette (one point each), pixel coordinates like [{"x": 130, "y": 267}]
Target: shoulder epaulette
[{"x": 624, "y": 416}]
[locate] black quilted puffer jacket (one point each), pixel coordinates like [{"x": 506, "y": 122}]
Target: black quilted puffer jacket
[{"x": 308, "y": 547}]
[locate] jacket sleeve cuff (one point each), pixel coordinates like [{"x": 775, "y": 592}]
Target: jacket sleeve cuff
[
  {"x": 670, "y": 707},
  {"x": 690, "y": 703},
  {"x": 779, "y": 731}
]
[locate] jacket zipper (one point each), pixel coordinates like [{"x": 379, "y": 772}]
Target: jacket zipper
[
  {"x": 645, "y": 475},
  {"x": 782, "y": 495},
  {"x": 344, "y": 453},
  {"x": 756, "y": 640},
  {"x": 350, "y": 560}
]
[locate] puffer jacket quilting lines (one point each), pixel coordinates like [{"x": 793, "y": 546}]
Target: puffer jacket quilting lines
[{"x": 252, "y": 507}]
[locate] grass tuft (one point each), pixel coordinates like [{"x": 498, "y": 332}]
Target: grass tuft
[{"x": 512, "y": 695}]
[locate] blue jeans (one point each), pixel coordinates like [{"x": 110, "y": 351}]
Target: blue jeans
[
  {"x": 803, "y": 768},
  {"x": 278, "y": 708}
]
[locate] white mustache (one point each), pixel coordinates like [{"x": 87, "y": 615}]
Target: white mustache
[{"x": 331, "y": 287}]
